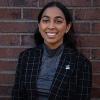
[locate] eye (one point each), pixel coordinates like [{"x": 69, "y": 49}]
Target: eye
[
  {"x": 45, "y": 20},
  {"x": 59, "y": 21}
]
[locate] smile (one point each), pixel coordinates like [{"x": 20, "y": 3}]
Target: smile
[{"x": 52, "y": 34}]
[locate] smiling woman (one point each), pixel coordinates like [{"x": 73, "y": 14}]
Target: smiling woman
[
  {"x": 53, "y": 26},
  {"x": 54, "y": 69}
]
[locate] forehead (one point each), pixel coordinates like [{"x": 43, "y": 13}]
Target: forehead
[{"x": 53, "y": 12}]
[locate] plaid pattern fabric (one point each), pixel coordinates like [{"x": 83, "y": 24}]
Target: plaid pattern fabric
[{"x": 72, "y": 81}]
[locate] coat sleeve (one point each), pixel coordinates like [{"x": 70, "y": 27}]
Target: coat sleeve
[
  {"x": 18, "y": 90},
  {"x": 84, "y": 79}
]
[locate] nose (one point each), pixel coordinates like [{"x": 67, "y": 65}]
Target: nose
[{"x": 51, "y": 25}]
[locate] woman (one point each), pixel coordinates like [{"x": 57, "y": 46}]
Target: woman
[{"x": 54, "y": 69}]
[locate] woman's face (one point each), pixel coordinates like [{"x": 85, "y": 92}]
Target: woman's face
[{"x": 53, "y": 26}]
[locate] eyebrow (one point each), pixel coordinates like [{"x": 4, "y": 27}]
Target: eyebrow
[
  {"x": 55, "y": 17},
  {"x": 45, "y": 16}
]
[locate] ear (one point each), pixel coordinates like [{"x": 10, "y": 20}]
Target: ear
[{"x": 68, "y": 27}]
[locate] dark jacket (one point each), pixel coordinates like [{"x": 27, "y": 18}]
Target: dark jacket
[{"x": 72, "y": 81}]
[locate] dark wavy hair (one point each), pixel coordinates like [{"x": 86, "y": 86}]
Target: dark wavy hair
[{"x": 69, "y": 38}]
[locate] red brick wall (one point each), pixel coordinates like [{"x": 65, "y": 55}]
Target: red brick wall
[{"x": 18, "y": 21}]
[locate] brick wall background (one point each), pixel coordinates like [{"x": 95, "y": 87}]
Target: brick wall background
[{"x": 18, "y": 19}]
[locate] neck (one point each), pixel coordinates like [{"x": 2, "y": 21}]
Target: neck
[{"x": 54, "y": 45}]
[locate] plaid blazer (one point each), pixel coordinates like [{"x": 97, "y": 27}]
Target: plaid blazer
[{"x": 72, "y": 81}]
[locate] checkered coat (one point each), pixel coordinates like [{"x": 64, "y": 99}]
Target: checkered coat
[{"x": 72, "y": 80}]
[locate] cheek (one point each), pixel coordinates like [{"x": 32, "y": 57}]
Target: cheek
[
  {"x": 62, "y": 29},
  {"x": 42, "y": 30},
  {"x": 42, "y": 27}
]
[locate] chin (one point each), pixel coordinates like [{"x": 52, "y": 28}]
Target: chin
[{"x": 52, "y": 42}]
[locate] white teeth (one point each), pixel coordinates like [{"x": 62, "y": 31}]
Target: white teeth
[{"x": 51, "y": 34}]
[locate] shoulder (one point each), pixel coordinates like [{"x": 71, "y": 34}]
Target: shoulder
[
  {"x": 30, "y": 51},
  {"x": 77, "y": 56},
  {"x": 83, "y": 61}
]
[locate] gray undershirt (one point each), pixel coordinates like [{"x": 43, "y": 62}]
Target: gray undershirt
[{"x": 50, "y": 61}]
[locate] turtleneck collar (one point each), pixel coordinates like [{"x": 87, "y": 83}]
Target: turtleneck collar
[{"x": 52, "y": 52}]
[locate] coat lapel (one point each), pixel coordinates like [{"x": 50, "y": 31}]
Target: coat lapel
[
  {"x": 34, "y": 64},
  {"x": 64, "y": 71}
]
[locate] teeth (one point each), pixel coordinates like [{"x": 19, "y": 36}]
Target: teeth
[{"x": 51, "y": 34}]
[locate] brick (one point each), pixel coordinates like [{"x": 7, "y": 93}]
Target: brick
[
  {"x": 10, "y": 52},
  {"x": 30, "y": 14},
  {"x": 17, "y": 27},
  {"x": 96, "y": 66},
  {"x": 8, "y": 65},
  {"x": 10, "y": 14},
  {"x": 6, "y": 2},
  {"x": 86, "y": 21},
  {"x": 96, "y": 3},
  {"x": 18, "y": 3},
  {"x": 27, "y": 40},
  {"x": 96, "y": 53},
  {"x": 25, "y": 3},
  {"x": 96, "y": 28},
  {"x": 88, "y": 41},
  {"x": 6, "y": 79},
  {"x": 75, "y": 3},
  {"x": 79, "y": 3},
  {"x": 87, "y": 14},
  {"x": 5, "y": 90},
  {"x": 44, "y": 2},
  {"x": 86, "y": 52},
  {"x": 9, "y": 40},
  {"x": 96, "y": 80},
  {"x": 96, "y": 93},
  {"x": 82, "y": 27}
]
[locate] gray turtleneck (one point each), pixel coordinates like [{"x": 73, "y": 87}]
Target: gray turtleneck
[{"x": 50, "y": 61}]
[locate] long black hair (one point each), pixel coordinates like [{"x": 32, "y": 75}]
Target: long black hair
[{"x": 69, "y": 39}]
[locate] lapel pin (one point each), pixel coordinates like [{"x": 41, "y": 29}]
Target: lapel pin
[{"x": 67, "y": 67}]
